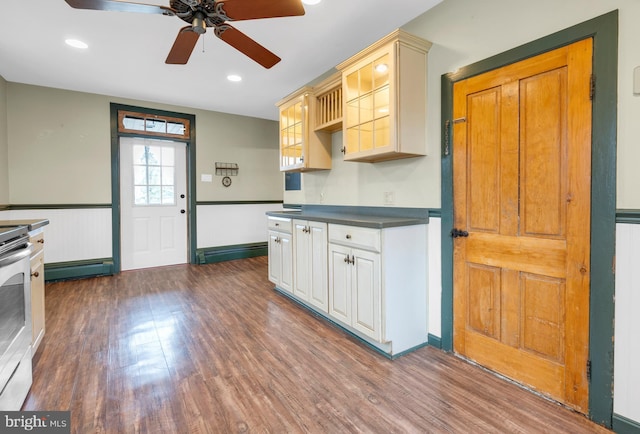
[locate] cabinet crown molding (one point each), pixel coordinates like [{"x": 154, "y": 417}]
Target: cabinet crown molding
[
  {"x": 302, "y": 91},
  {"x": 397, "y": 35}
]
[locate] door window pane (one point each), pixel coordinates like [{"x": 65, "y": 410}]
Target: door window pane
[{"x": 154, "y": 175}]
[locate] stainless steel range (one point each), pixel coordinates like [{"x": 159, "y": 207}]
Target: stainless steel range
[{"x": 15, "y": 317}]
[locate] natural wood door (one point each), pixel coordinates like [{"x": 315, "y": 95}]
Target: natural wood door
[{"x": 522, "y": 165}]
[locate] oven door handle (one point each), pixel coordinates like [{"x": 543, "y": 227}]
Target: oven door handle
[{"x": 15, "y": 256}]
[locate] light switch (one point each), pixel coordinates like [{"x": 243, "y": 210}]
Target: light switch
[{"x": 206, "y": 177}]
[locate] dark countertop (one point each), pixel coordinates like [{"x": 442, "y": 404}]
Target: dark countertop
[
  {"x": 369, "y": 217},
  {"x": 32, "y": 224}
]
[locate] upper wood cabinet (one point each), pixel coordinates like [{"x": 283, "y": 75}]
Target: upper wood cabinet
[
  {"x": 385, "y": 99},
  {"x": 302, "y": 148}
]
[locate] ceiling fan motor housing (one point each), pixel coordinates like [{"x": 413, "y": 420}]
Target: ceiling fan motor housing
[{"x": 200, "y": 13}]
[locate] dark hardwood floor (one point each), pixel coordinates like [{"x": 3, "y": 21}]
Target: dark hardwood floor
[{"x": 213, "y": 348}]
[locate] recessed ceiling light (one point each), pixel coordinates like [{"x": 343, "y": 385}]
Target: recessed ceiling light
[
  {"x": 76, "y": 43},
  {"x": 234, "y": 77},
  {"x": 311, "y": 2}
]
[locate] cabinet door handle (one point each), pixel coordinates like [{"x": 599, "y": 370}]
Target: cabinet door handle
[
  {"x": 353, "y": 260},
  {"x": 348, "y": 236},
  {"x": 343, "y": 149},
  {"x": 346, "y": 259},
  {"x": 35, "y": 274},
  {"x": 41, "y": 240}
]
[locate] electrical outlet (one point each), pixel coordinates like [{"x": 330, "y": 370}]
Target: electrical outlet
[{"x": 389, "y": 197}]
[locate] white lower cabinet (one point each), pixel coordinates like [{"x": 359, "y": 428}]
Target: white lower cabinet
[
  {"x": 354, "y": 296},
  {"x": 280, "y": 253},
  {"x": 310, "y": 263},
  {"x": 378, "y": 284},
  {"x": 372, "y": 282}
]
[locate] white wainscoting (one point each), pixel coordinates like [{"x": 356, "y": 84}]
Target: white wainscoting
[
  {"x": 81, "y": 234},
  {"x": 626, "y": 401},
  {"x": 72, "y": 234},
  {"x": 228, "y": 225},
  {"x": 434, "y": 253}
]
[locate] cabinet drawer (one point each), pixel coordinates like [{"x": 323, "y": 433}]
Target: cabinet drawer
[
  {"x": 37, "y": 241},
  {"x": 354, "y": 236},
  {"x": 280, "y": 224}
]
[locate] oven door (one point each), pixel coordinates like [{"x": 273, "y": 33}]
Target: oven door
[{"x": 15, "y": 329}]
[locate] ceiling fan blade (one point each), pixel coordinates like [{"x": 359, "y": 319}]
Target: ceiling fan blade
[
  {"x": 182, "y": 47},
  {"x": 253, "y": 9},
  {"x": 246, "y": 45},
  {"x": 120, "y": 6}
]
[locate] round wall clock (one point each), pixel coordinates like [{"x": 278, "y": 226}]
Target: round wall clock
[{"x": 226, "y": 181}]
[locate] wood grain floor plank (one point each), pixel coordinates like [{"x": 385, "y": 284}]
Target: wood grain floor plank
[{"x": 214, "y": 349}]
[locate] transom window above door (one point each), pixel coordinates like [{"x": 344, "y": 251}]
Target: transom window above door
[
  {"x": 153, "y": 175},
  {"x": 147, "y": 124}
]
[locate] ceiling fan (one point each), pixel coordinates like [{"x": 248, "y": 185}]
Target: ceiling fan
[{"x": 201, "y": 14}]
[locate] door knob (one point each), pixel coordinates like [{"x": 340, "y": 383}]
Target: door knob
[
  {"x": 182, "y": 211},
  {"x": 182, "y": 196},
  {"x": 455, "y": 233}
]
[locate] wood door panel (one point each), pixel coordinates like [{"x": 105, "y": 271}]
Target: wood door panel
[
  {"x": 483, "y": 294},
  {"x": 536, "y": 256},
  {"x": 521, "y": 162},
  {"x": 531, "y": 370},
  {"x": 543, "y": 144},
  {"x": 543, "y": 318},
  {"x": 483, "y": 154}
]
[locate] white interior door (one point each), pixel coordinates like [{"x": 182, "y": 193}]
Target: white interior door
[{"x": 153, "y": 203}]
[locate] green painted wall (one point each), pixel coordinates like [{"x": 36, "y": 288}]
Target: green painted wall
[{"x": 59, "y": 149}]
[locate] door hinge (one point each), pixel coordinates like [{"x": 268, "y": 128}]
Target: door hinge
[
  {"x": 592, "y": 88},
  {"x": 447, "y": 139},
  {"x": 589, "y": 370}
]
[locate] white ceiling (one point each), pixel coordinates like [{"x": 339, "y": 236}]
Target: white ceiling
[{"x": 127, "y": 51}]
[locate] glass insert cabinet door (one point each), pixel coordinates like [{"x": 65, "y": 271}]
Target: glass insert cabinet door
[
  {"x": 292, "y": 134},
  {"x": 367, "y": 106},
  {"x": 154, "y": 175}
]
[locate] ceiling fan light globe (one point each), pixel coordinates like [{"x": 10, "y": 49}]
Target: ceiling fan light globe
[{"x": 198, "y": 24}]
